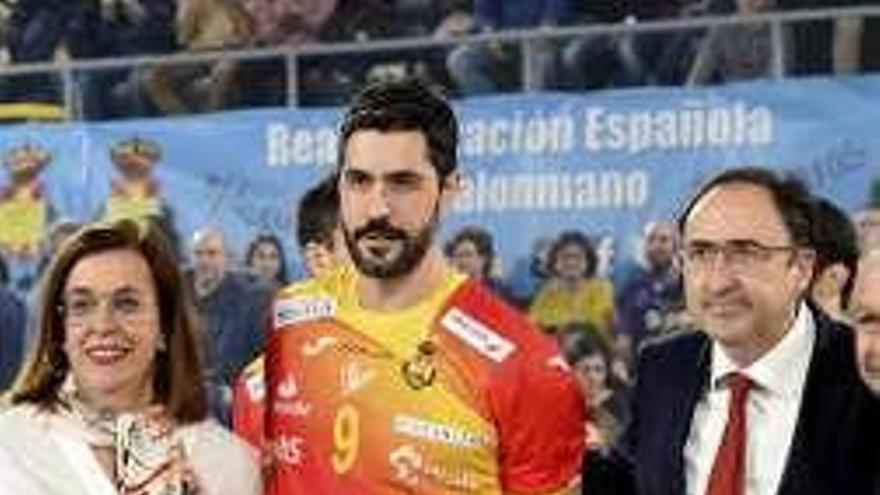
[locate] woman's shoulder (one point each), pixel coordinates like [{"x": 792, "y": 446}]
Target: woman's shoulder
[
  {"x": 19, "y": 419},
  {"x": 224, "y": 463}
]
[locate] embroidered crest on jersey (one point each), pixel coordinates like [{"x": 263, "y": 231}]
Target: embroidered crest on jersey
[
  {"x": 477, "y": 335},
  {"x": 419, "y": 371},
  {"x": 299, "y": 309}
]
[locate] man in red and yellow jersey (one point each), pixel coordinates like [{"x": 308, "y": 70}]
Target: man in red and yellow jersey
[
  {"x": 396, "y": 374},
  {"x": 320, "y": 242}
]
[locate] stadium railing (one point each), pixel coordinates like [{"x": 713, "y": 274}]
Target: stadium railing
[{"x": 68, "y": 74}]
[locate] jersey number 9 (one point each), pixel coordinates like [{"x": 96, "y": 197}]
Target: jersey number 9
[{"x": 346, "y": 437}]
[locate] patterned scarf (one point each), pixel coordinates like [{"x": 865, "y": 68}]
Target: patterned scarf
[{"x": 149, "y": 456}]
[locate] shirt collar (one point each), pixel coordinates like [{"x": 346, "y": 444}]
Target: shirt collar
[{"x": 780, "y": 369}]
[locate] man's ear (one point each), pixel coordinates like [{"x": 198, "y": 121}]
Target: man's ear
[
  {"x": 450, "y": 190},
  {"x": 805, "y": 260}
]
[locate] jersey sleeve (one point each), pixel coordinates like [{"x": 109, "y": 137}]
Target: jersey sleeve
[
  {"x": 540, "y": 413},
  {"x": 248, "y": 405}
]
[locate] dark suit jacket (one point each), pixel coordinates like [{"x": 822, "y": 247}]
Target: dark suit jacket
[{"x": 837, "y": 435}]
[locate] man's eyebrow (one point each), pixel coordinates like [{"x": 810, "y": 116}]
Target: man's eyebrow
[{"x": 403, "y": 174}]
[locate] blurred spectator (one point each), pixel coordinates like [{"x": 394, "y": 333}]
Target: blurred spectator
[
  {"x": 865, "y": 313},
  {"x": 810, "y": 43},
  {"x": 607, "y": 399},
  {"x": 456, "y": 18},
  {"x": 128, "y": 28},
  {"x": 472, "y": 251},
  {"x": 13, "y": 327},
  {"x": 38, "y": 30},
  {"x": 598, "y": 61},
  {"x": 318, "y": 234},
  {"x": 41, "y": 30},
  {"x": 480, "y": 68},
  {"x": 233, "y": 309},
  {"x": 653, "y": 292},
  {"x": 330, "y": 80},
  {"x": 837, "y": 256},
  {"x": 289, "y": 22},
  {"x": 265, "y": 259},
  {"x": 658, "y": 56},
  {"x": 736, "y": 52},
  {"x": 573, "y": 293},
  {"x": 857, "y": 41},
  {"x": 529, "y": 273},
  {"x": 867, "y": 223},
  {"x": 202, "y": 26}
]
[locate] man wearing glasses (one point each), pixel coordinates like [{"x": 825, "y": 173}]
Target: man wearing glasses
[{"x": 765, "y": 399}]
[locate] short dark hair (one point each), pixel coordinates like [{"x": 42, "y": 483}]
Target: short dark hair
[
  {"x": 272, "y": 240},
  {"x": 406, "y": 104},
  {"x": 317, "y": 214},
  {"x": 178, "y": 380},
  {"x": 791, "y": 197},
  {"x": 481, "y": 239},
  {"x": 573, "y": 238},
  {"x": 836, "y": 242}
]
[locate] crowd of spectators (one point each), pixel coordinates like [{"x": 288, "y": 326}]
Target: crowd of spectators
[{"x": 46, "y": 30}]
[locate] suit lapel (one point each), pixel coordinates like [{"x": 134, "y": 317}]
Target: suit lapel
[{"x": 692, "y": 386}]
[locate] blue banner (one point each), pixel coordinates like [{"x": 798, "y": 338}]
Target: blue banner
[{"x": 535, "y": 164}]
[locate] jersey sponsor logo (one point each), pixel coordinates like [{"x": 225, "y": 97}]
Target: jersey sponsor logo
[
  {"x": 288, "y": 402},
  {"x": 476, "y": 335},
  {"x": 354, "y": 376},
  {"x": 436, "y": 432},
  {"x": 411, "y": 467},
  {"x": 299, "y": 309},
  {"x": 318, "y": 345},
  {"x": 288, "y": 449},
  {"x": 296, "y": 408},
  {"x": 406, "y": 463},
  {"x": 287, "y": 388}
]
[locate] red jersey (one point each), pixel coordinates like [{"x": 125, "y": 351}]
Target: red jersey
[{"x": 457, "y": 394}]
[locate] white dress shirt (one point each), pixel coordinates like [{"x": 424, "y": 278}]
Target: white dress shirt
[{"x": 771, "y": 411}]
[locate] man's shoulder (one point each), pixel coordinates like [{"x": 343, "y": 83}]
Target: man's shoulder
[
  {"x": 477, "y": 302},
  {"x": 673, "y": 346},
  {"x": 311, "y": 298},
  {"x": 331, "y": 283},
  {"x": 834, "y": 351}
]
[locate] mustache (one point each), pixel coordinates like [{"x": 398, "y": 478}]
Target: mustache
[{"x": 380, "y": 228}]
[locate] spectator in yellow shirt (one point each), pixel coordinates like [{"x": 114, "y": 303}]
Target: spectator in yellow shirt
[{"x": 573, "y": 293}]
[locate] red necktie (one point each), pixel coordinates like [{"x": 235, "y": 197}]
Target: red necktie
[{"x": 728, "y": 471}]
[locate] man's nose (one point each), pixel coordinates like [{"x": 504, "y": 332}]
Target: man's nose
[
  {"x": 718, "y": 277},
  {"x": 378, "y": 202}
]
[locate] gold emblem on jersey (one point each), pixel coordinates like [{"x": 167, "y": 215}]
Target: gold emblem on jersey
[{"x": 419, "y": 371}]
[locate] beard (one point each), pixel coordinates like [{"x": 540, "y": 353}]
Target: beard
[{"x": 397, "y": 252}]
